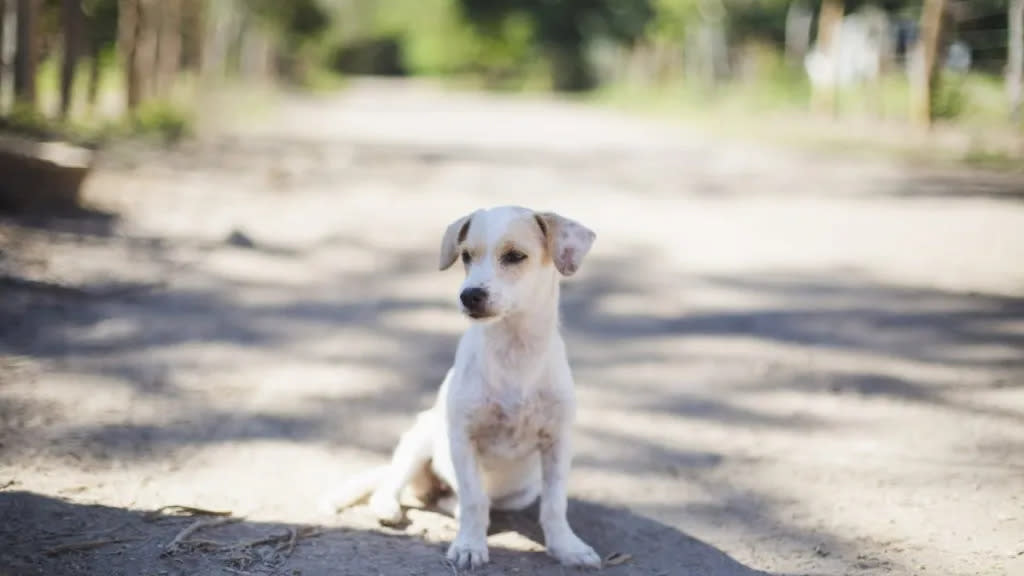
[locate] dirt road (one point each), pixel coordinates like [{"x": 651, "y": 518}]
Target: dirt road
[{"x": 787, "y": 364}]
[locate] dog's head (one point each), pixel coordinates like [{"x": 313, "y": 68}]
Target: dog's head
[{"x": 512, "y": 257}]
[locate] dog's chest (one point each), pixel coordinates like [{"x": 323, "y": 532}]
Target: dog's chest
[{"x": 509, "y": 426}]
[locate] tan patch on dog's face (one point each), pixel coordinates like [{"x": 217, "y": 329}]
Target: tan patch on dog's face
[
  {"x": 519, "y": 247},
  {"x": 545, "y": 238}
]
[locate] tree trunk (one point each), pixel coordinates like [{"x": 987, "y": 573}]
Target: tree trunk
[
  {"x": 3, "y": 51},
  {"x": 254, "y": 53},
  {"x": 926, "y": 69},
  {"x": 798, "y": 32},
  {"x": 148, "y": 28},
  {"x": 168, "y": 46},
  {"x": 27, "y": 53},
  {"x": 221, "y": 26},
  {"x": 94, "y": 75},
  {"x": 127, "y": 40},
  {"x": 570, "y": 70},
  {"x": 829, "y": 20},
  {"x": 1015, "y": 57},
  {"x": 8, "y": 46},
  {"x": 137, "y": 37},
  {"x": 91, "y": 46},
  {"x": 71, "y": 16},
  {"x": 210, "y": 55},
  {"x": 192, "y": 14}
]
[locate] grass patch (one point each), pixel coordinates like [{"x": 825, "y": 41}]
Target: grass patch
[
  {"x": 321, "y": 80},
  {"x": 164, "y": 119},
  {"x": 774, "y": 107},
  {"x": 93, "y": 124}
]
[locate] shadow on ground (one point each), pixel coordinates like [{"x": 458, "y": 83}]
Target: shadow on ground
[
  {"x": 903, "y": 331},
  {"x": 150, "y": 338},
  {"x": 972, "y": 184},
  {"x": 63, "y": 325},
  {"x": 52, "y": 537},
  {"x": 838, "y": 311}
]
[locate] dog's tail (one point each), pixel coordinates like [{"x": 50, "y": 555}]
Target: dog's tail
[{"x": 354, "y": 490}]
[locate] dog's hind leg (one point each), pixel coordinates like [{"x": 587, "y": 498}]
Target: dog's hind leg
[{"x": 410, "y": 456}]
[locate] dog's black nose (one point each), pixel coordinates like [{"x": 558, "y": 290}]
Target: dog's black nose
[{"x": 473, "y": 299}]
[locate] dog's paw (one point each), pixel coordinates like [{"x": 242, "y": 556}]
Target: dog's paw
[
  {"x": 571, "y": 551},
  {"x": 386, "y": 508},
  {"x": 468, "y": 554}
]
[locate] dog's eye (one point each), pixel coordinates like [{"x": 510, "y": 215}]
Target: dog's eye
[
  {"x": 512, "y": 257},
  {"x": 466, "y": 257}
]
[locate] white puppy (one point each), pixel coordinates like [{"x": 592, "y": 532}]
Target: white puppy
[{"x": 498, "y": 434}]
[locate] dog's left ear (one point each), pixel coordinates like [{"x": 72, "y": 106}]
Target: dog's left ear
[
  {"x": 568, "y": 241},
  {"x": 455, "y": 234}
]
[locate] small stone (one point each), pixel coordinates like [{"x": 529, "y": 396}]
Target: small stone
[{"x": 240, "y": 239}]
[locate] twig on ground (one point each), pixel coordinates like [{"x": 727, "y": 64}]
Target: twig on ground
[
  {"x": 203, "y": 543},
  {"x": 8, "y": 484},
  {"x": 190, "y": 510},
  {"x": 307, "y": 532},
  {"x": 85, "y": 545},
  {"x": 290, "y": 545},
  {"x": 180, "y": 538},
  {"x": 283, "y": 541},
  {"x": 272, "y": 539},
  {"x": 616, "y": 558}
]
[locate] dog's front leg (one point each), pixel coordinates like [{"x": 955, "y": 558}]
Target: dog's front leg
[
  {"x": 469, "y": 549},
  {"x": 560, "y": 540}
]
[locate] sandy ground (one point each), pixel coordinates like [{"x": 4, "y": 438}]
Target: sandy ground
[{"x": 787, "y": 364}]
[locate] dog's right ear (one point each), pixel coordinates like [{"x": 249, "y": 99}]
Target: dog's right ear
[
  {"x": 568, "y": 241},
  {"x": 455, "y": 234}
]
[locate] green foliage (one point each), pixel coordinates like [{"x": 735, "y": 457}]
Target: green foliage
[
  {"x": 562, "y": 30},
  {"x": 321, "y": 79},
  {"x": 164, "y": 119},
  {"x": 299, "y": 27},
  {"x": 381, "y": 56},
  {"x": 305, "y": 19},
  {"x": 296, "y": 21},
  {"x": 27, "y": 121},
  {"x": 569, "y": 22},
  {"x": 760, "y": 19},
  {"x": 949, "y": 97},
  {"x": 102, "y": 19},
  {"x": 671, "y": 17},
  {"x": 435, "y": 40},
  {"x": 438, "y": 41},
  {"x": 431, "y": 37},
  {"x": 507, "y": 48},
  {"x": 768, "y": 82}
]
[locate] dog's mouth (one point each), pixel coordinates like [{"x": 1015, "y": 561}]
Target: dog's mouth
[{"x": 479, "y": 314}]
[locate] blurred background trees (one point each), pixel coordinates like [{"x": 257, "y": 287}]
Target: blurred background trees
[{"x": 141, "y": 62}]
